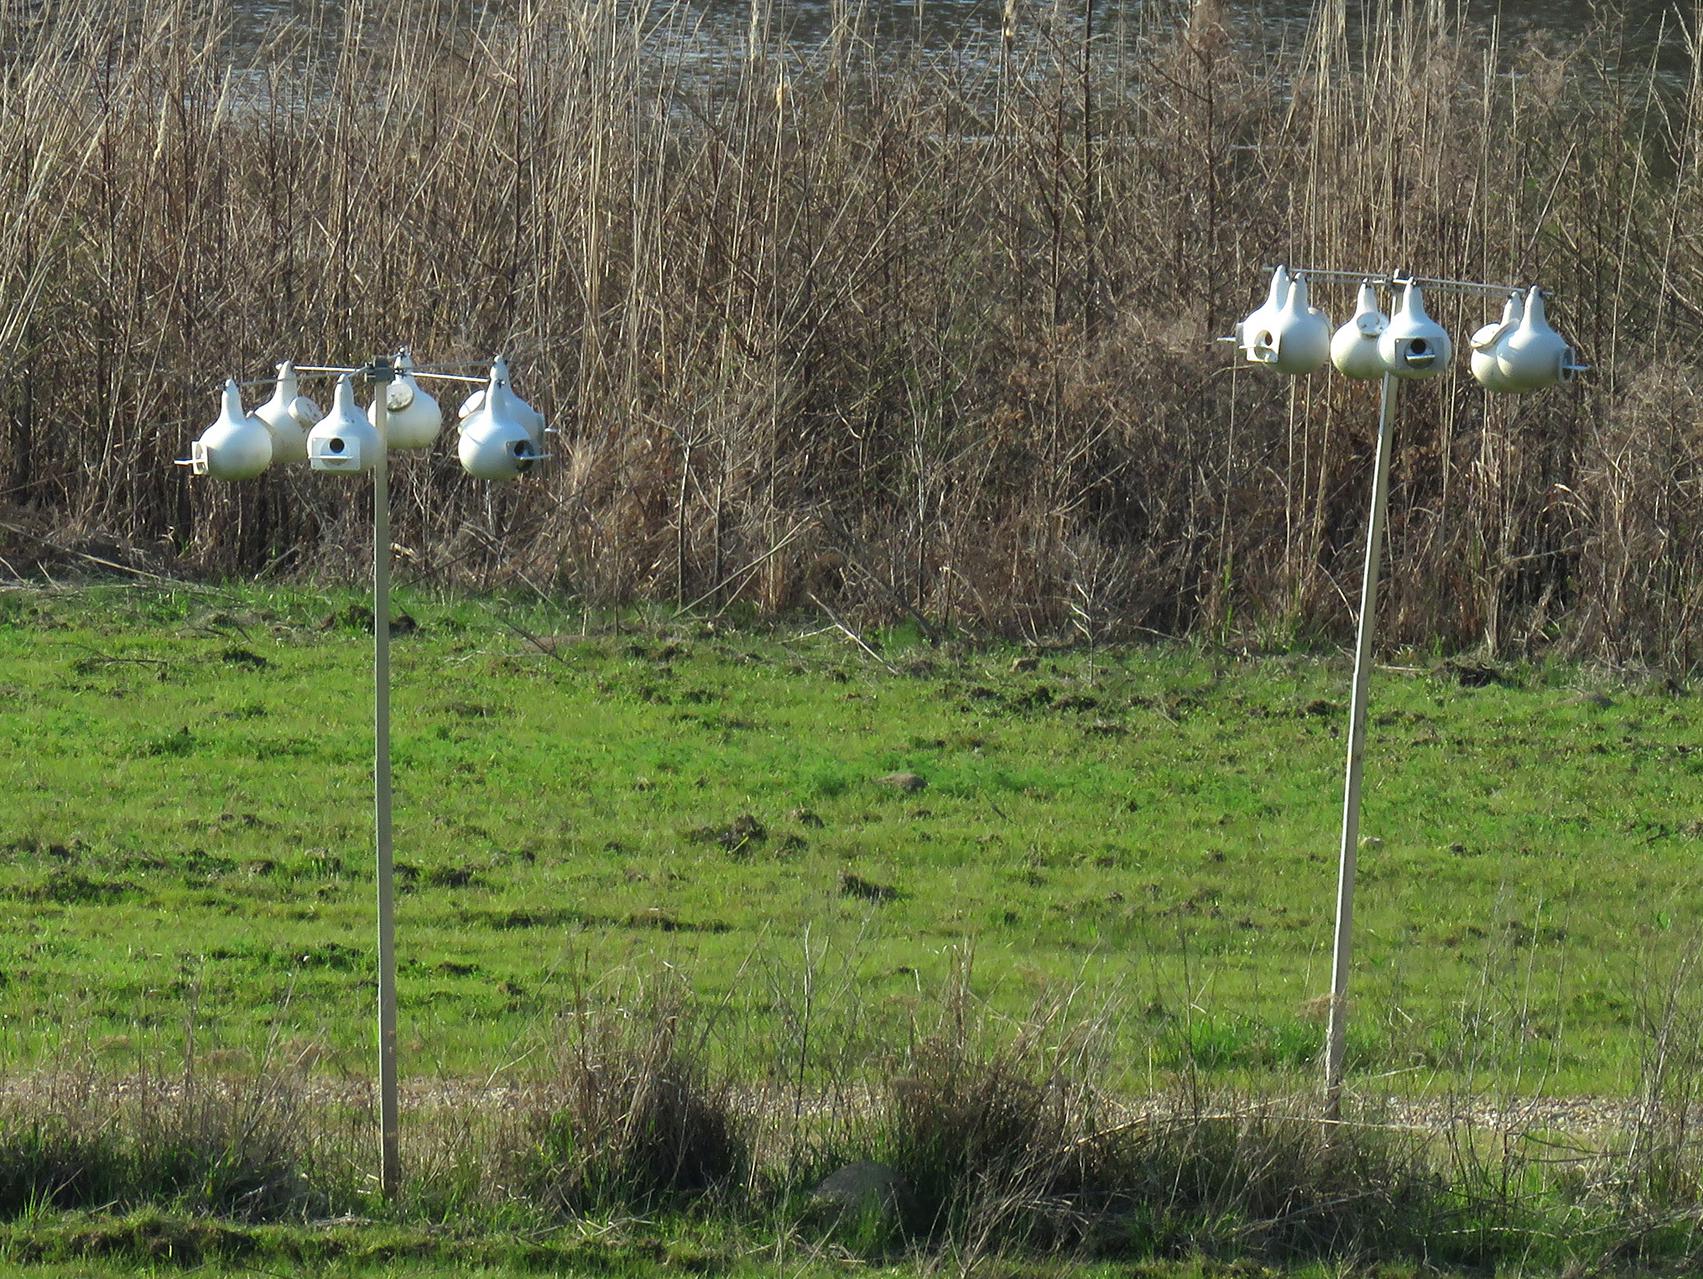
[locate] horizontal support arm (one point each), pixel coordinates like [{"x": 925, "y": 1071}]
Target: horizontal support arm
[{"x": 1323, "y": 274}]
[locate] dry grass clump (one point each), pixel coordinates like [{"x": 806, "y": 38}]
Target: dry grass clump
[
  {"x": 994, "y": 1140},
  {"x": 1243, "y": 1178},
  {"x": 46, "y": 1163},
  {"x": 244, "y": 1150},
  {"x": 901, "y": 333},
  {"x": 1005, "y": 1141},
  {"x": 631, "y": 1118}
]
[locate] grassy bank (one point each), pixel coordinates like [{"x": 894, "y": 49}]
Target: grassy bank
[
  {"x": 991, "y": 1145},
  {"x": 830, "y": 321},
  {"x": 795, "y": 824},
  {"x": 694, "y": 914},
  {"x": 421, "y": 1255}
]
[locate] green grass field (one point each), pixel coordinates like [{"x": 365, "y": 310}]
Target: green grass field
[
  {"x": 138, "y": 1247},
  {"x": 584, "y": 803}
]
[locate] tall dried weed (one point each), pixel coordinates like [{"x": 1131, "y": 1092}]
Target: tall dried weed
[{"x": 905, "y": 332}]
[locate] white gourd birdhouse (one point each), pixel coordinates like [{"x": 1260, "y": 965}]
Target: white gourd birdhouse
[
  {"x": 289, "y": 415},
  {"x": 1533, "y": 355},
  {"x": 1354, "y": 347},
  {"x": 413, "y": 418},
  {"x": 1256, "y": 321},
  {"x": 1487, "y": 343},
  {"x": 344, "y": 440},
  {"x": 495, "y": 443},
  {"x": 528, "y": 416},
  {"x": 237, "y": 446},
  {"x": 468, "y": 407},
  {"x": 1414, "y": 345},
  {"x": 1294, "y": 339}
]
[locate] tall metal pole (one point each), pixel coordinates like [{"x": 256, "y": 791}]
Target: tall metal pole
[
  {"x": 1337, "y": 1030},
  {"x": 390, "y": 1169}
]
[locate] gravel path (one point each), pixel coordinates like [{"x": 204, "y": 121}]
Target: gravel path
[{"x": 1585, "y": 1118}]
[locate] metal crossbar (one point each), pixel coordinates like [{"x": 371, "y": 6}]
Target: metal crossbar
[
  {"x": 1392, "y": 278},
  {"x": 330, "y": 370}
]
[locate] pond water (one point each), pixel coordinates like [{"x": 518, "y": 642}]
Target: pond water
[
  {"x": 946, "y": 24},
  {"x": 704, "y": 39},
  {"x": 716, "y": 28}
]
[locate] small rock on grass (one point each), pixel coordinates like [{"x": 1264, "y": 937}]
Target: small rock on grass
[{"x": 860, "y": 1190}]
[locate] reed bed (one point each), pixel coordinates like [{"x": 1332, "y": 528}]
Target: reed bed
[{"x": 893, "y": 332}]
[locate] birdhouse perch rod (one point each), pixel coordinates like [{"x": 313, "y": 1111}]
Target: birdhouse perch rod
[
  {"x": 1331, "y": 275},
  {"x": 418, "y": 375},
  {"x": 449, "y": 377},
  {"x": 331, "y": 370}
]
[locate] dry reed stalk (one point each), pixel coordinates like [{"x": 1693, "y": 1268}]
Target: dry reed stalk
[{"x": 963, "y": 306}]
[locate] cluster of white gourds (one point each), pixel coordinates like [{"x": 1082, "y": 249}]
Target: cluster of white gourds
[
  {"x": 500, "y": 435},
  {"x": 1518, "y": 353}
]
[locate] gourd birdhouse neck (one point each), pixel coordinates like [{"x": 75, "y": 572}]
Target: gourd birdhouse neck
[
  {"x": 1535, "y": 318},
  {"x": 1299, "y": 302}
]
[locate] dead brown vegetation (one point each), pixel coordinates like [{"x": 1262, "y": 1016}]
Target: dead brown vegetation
[{"x": 927, "y": 335}]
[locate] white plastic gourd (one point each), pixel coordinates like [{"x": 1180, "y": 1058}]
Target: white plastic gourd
[
  {"x": 1487, "y": 343},
  {"x": 1256, "y": 320},
  {"x": 468, "y": 407},
  {"x": 1533, "y": 355},
  {"x": 237, "y": 446},
  {"x": 343, "y": 440},
  {"x": 495, "y": 443},
  {"x": 1354, "y": 347},
  {"x": 1296, "y": 338},
  {"x": 289, "y": 415},
  {"x": 1414, "y": 345},
  {"x": 413, "y": 418},
  {"x": 528, "y": 416}
]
